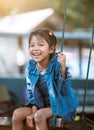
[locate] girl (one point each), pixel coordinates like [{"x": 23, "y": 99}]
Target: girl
[{"x": 46, "y": 72}]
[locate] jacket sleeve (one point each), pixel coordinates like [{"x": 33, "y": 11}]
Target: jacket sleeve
[
  {"x": 30, "y": 91},
  {"x": 62, "y": 84}
]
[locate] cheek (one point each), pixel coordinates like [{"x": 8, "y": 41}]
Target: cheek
[{"x": 30, "y": 51}]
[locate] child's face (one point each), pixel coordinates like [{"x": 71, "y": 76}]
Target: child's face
[{"x": 39, "y": 49}]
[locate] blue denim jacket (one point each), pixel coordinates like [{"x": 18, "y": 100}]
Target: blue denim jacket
[{"x": 63, "y": 101}]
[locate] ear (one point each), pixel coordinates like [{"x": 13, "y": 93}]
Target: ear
[{"x": 52, "y": 49}]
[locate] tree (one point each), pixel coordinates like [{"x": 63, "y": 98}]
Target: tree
[{"x": 79, "y": 12}]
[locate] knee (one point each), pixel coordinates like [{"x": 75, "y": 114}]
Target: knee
[
  {"x": 39, "y": 117},
  {"x": 15, "y": 116}
]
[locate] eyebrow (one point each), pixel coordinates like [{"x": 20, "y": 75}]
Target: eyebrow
[
  {"x": 37, "y": 42},
  {"x": 32, "y": 42}
]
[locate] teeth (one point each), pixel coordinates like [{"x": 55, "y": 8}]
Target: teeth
[{"x": 36, "y": 54}]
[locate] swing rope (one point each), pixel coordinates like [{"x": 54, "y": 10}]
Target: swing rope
[
  {"x": 59, "y": 86},
  {"x": 62, "y": 45},
  {"x": 86, "y": 83}
]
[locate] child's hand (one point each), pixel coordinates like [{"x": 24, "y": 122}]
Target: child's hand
[
  {"x": 62, "y": 59},
  {"x": 30, "y": 120}
]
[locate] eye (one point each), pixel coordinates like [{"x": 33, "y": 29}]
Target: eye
[
  {"x": 41, "y": 44},
  {"x": 31, "y": 45}
]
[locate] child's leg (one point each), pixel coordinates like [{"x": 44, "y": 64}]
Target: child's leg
[
  {"x": 41, "y": 117},
  {"x": 19, "y": 116}
]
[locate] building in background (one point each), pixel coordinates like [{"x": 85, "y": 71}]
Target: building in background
[{"x": 14, "y": 31}]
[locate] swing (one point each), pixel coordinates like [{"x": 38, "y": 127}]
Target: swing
[{"x": 55, "y": 122}]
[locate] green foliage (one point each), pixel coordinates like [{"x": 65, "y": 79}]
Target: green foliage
[{"x": 79, "y": 12}]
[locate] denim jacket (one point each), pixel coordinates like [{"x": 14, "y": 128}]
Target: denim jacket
[{"x": 61, "y": 94}]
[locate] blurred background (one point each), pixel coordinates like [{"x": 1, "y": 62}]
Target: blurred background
[{"x": 19, "y": 17}]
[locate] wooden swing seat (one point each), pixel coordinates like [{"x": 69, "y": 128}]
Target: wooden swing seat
[{"x": 5, "y": 124}]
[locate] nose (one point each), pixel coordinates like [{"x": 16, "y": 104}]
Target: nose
[{"x": 36, "y": 47}]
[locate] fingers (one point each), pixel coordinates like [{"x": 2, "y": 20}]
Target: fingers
[
  {"x": 61, "y": 56},
  {"x": 30, "y": 121},
  {"x": 62, "y": 59}
]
